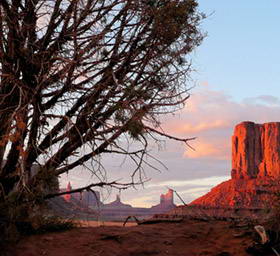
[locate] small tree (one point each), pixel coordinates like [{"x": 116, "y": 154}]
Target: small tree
[{"x": 81, "y": 74}]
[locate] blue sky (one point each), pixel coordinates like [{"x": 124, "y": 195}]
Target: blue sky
[
  {"x": 241, "y": 53},
  {"x": 237, "y": 79}
]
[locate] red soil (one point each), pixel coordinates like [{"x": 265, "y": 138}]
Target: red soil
[{"x": 189, "y": 238}]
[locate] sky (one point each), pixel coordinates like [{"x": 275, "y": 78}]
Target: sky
[{"x": 236, "y": 79}]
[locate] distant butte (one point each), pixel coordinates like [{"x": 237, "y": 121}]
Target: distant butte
[{"x": 255, "y": 175}]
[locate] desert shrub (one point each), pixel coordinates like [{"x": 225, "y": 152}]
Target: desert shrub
[
  {"x": 53, "y": 224},
  {"x": 44, "y": 224},
  {"x": 17, "y": 220}
]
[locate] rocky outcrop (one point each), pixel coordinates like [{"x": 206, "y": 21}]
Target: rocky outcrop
[
  {"x": 256, "y": 150},
  {"x": 85, "y": 198},
  {"x": 255, "y": 169},
  {"x": 117, "y": 205},
  {"x": 168, "y": 198},
  {"x": 242, "y": 193},
  {"x": 90, "y": 203},
  {"x": 166, "y": 202}
]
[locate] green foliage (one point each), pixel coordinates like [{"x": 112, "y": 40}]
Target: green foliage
[
  {"x": 135, "y": 129},
  {"x": 171, "y": 19}
]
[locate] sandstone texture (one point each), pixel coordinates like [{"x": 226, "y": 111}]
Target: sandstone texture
[
  {"x": 242, "y": 193},
  {"x": 256, "y": 150},
  {"x": 255, "y": 175}
]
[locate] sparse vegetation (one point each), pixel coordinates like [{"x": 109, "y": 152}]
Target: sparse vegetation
[{"x": 77, "y": 77}]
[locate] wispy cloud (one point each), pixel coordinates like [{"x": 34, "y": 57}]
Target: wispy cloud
[
  {"x": 218, "y": 149},
  {"x": 264, "y": 99},
  {"x": 201, "y": 126},
  {"x": 208, "y": 181},
  {"x": 211, "y": 116},
  {"x": 144, "y": 201}
]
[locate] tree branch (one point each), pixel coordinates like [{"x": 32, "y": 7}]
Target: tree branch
[{"x": 114, "y": 184}]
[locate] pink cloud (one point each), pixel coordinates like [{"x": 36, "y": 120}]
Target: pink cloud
[
  {"x": 200, "y": 127},
  {"x": 217, "y": 149},
  {"x": 211, "y": 116}
]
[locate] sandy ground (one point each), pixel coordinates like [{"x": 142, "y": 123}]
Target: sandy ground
[
  {"x": 189, "y": 238},
  {"x": 89, "y": 223}
]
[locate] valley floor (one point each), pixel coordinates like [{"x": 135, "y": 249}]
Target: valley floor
[{"x": 189, "y": 238}]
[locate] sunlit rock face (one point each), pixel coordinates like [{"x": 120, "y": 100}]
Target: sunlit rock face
[
  {"x": 255, "y": 169},
  {"x": 166, "y": 202},
  {"x": 256, "y": 150},
  {"x": 167, "y": 199}
]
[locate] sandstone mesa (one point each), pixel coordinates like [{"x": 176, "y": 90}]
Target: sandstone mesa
[{"x": 255, "y": 175}]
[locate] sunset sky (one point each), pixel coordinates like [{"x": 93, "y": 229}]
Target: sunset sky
[{"x": 237, "y": 79}]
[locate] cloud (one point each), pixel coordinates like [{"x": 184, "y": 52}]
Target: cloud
[
  {"x": 144, "y": 201},
  {"x": 207, "y": 181},
  {"x": 211, "y": 116},
  {"x": 202, "y": 126},
  {"x": 218, "y": 149},
  {"x": 187, "y": 189},
  {"x": 263, "y": 99}
]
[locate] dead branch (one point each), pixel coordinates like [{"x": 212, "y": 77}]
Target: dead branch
[{"x": 114, "y": 184}]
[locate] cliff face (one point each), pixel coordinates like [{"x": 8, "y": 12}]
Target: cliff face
[
  {"x": 255, "y": 169},
  {"x": 256, "y": 151}
]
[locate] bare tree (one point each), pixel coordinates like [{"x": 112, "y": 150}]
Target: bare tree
[{"x": 78, "y": 75}]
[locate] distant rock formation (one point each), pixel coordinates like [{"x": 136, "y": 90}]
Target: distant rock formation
[
  {"x": 119, "y": 210},
  {"x": 85, "y": 198},
  {"x": 166, "y": 202},
  {"x": 115, "y": 210},
  {"x": 167, "y": 199},
  {"x": 67, "y": 197},
  {"x": 255, "y": 175},
  {"x": 117, "y": 204}
]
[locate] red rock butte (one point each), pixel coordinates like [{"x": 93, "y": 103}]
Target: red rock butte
[
  {"x": 255, "y": 175},
  {"x": 256, "y": 150}
]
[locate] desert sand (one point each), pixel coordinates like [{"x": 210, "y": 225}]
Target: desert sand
[
  {"x": 93, "y": 223},
  {"x": 188, "y": 238}
]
